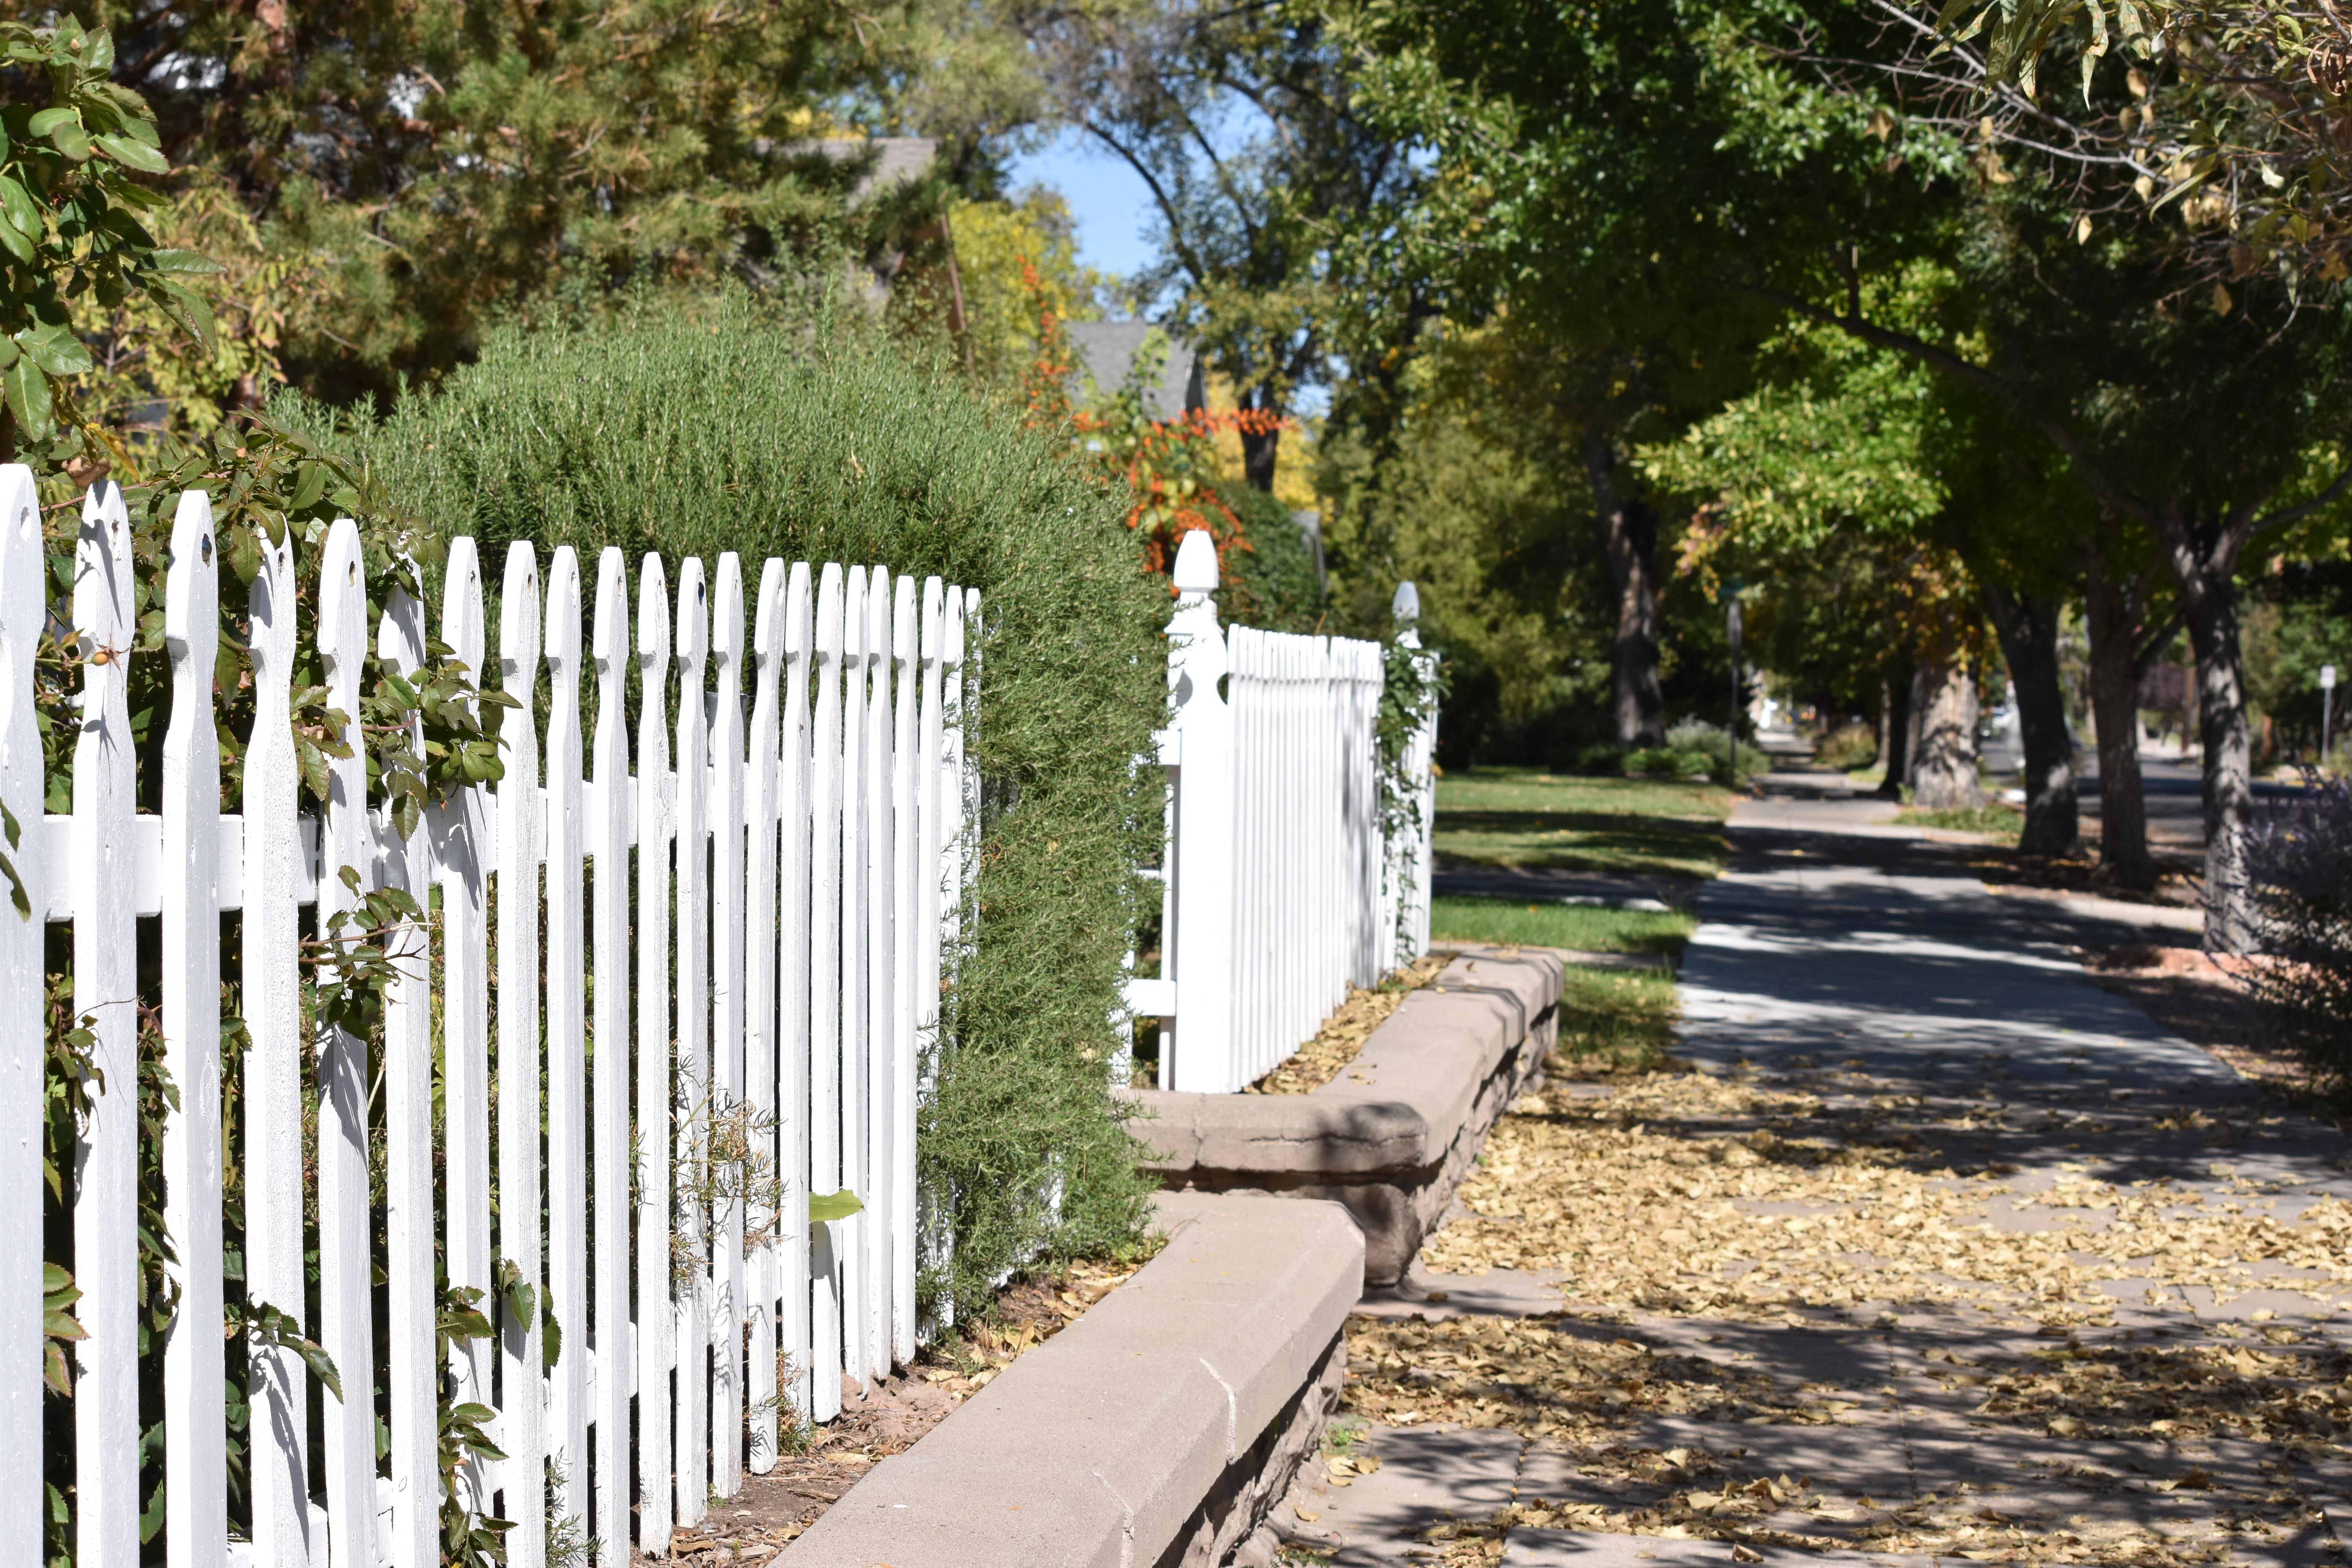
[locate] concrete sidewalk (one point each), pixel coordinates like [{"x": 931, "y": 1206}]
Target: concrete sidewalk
[{"x": 1922, "y": 1026}]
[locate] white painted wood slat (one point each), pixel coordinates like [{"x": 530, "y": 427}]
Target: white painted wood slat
[
  {"x": 760, "y": 935},
  {"x": 22, "y": 1046},
  {"x": 692, "y": 1461},
  {"x": 825, "y": 991},
  {"x": 907, "y": 926},
  {"x": 656, "y": 1091},
  {"x": 849, "y": 1235},
  {"x": 726, "y": 1003},
  {"x": 195, "y": 1416},
  {"x": 611, "y": 1206},
  {"x": 413, "y": 1373},
  {"x": 881, "y": 982},
  {"x": 522, "y": 1415},
  {"x": 461, "y": 850},
  {"x": 792, "y": 806},
  {"x": 566, "y": 1066},
  {"x": 346, "y": 1330}
]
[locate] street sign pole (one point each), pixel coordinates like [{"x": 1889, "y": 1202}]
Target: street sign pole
[{"x": 2326, "y": 710}]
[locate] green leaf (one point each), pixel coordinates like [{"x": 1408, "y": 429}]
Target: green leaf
[
  {"x": 55, "y": 349},
  {"x": 132, "y": 154},
  {"x": 21, "y": 208},
  {"x": 72, "y": 140},
  {"x": 183, "y": 306},
  {"x": 826, "y": 1207},
  {"x": 42, "y": 124},
  {"x": 14, "y": 238},
  {"x": 27, "y": 394},
  {"x": 184, "y": 261},
  {"x": 97, "y": 54}
]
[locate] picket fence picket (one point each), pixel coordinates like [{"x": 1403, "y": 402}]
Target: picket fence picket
[
  {"x": 825, "y": 994},
  {"x": 692, "y": 1460},
  {"x": 760, "y": 905},
  {"x": 520, "y": 841},
  {"x": 760, "y": 951},
  {"x": 794, "y": 981},
  {"x": 726, "y": 1013},
  {"x": 656, "y": 837},
  {"x": 195, "y": 1429},
  {"x": 22, "y": 1052},
  {"x": 566, "y": 1185}
]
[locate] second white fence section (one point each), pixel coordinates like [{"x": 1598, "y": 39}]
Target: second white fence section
[
  {"x": 743, "y": 946},
  {"x": 1287, "y": 877}
]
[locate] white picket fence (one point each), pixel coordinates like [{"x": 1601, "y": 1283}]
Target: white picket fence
[
  {"x": 812, "y": 836},
  {"x": 1283, "y": 886}
]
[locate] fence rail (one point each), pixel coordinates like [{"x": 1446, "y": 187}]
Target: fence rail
[
  {"x": 727, "y": 956},
  {"x": 1294, "y": 870}
]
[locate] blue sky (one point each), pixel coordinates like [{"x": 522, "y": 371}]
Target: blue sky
[{"x": 1110, "y": 204}]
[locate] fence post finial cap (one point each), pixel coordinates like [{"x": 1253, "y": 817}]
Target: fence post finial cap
[
  {"x": 1406, "y": 606},
  {"x": 1196, "y": 563}
]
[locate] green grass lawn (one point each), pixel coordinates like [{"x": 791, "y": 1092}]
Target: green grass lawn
[
  {"x": 1456, "y": 918},
  {"x": 1614, "y": 1023},
  {"x": 1521, "y": 816},
  {"x": 1997, "y": 817}
]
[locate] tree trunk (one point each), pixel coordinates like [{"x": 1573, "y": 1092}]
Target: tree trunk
[
  {"x": 2204, "y": 561},
  {"x": 1894, "y": 739},
  {"x": 2113, "y": 618},
  {"x": 1944, "y": 773},
  {"x": 2027, "y": 625},
  {"x": 1629, "y": 532},
  {"x": 1258, "y": 453}
]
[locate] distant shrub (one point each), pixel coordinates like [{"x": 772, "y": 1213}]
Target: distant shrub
[
  {"x": 1849, "y": 747},
  {"x": 1603, "y": 757},
  {"x": 1671, "y": 763},
  {"x": 1707, "y": 745},
  {"x": 2299, "y": 863}
]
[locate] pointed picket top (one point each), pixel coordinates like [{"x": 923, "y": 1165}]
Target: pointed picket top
[
  {"x": 905, "y": 634},
  {"x": 951, "y": 629},
  {"x": 653, "y": 615},
  {"x": 934, "y": 596},
  {"x": 518, "y": 625},
  {"x": 798, "y": 611},
  {"x": 727, "y": 626},
  {"x": 192, "y": 589},
  {"x": 767, "y": 621},
  {"x": 561, "y": 648},
  {"x": 828, "y": 613},
  {"x": 612, "y": 633},
  {"x": 693, "y": 611}
]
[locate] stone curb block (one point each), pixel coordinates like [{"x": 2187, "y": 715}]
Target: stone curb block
[
  {"x": 1392, "y": 1136},
  {"x": 1114, "y": 1444}
]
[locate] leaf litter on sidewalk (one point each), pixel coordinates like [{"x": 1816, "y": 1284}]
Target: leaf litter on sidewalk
[{"x": 1807, "y": 1199}]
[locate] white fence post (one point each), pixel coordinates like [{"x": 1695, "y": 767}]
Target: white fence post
[
  {"x": 1200, "y": 1041},
  {"x": 1412, "y": 861},
  {"x": 910, "y": 929}
]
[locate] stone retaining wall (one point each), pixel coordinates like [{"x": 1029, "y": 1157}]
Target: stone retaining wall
[
  {"x": 1157, "y": 1431},
  {"x": 1392, "y": 1136}
]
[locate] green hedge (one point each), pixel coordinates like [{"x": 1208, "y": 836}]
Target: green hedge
[{"x": 735, "y": 425}]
